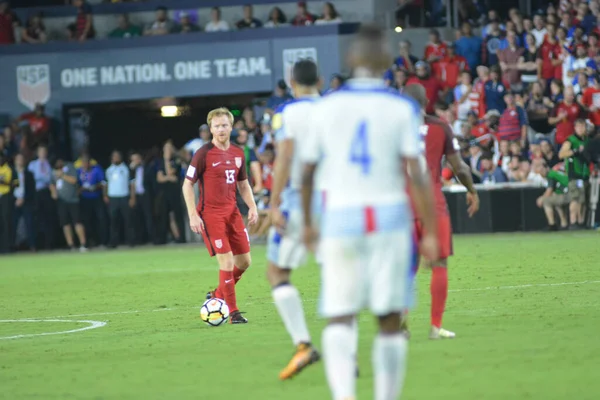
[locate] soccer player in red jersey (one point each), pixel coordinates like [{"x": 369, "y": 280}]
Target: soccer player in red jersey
[
  {"x": 439, "y": 144},
  {"x": 220, "y": 169}
]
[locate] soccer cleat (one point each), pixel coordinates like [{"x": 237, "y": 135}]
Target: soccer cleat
[
  {"x": 440, "y": 333},
  {"x": 236, "y": 317},
  {"x": 211, "y": 294},
  {"x": 305, "y": 355}
]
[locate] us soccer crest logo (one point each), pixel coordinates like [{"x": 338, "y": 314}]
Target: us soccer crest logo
[
  {"x": 219, "y": 243},
  {"x": 238, "y": 162},
  {"x": 291, "y": 56},
  {"x": 33, "y": 84}
]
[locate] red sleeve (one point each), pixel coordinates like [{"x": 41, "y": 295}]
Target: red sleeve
[
  {"x": 197, "y": 166},
  {"x": 242, "y": 173},
  {"x": 427, "y": 51},
  {"x": 587, "y": 98},
  {"x": 448, "y": 140},
  {"x": 464, "y": 65}
]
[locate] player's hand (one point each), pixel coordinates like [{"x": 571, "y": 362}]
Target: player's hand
[
  {"x": 278, "y": 220},
  {"x": 539, "y": 201},
  {"x": 252, "y": 216},
  {"x": 429, "y": 247},
  {"x": 132, "y": 202},
  {"x": 472, "y": 203},
  {"x": 196, "y": 224},
  {"x": 310, "y": 238}
]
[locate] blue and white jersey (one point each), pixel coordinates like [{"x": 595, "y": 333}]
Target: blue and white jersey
[{"x": 359, "y": 136}]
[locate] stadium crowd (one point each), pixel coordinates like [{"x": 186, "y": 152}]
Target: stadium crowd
[
  {"x": 522, "y": 96},
  {"x": 32, "y": 31}
]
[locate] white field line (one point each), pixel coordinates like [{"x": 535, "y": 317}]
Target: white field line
[
  {"x": 91, "y": 325},
  {"x": 526, "y": 286}
]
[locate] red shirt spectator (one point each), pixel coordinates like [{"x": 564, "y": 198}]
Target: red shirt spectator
[
  {"x": 477, "y": 96},
  {"x": 83, "y": 27},
  {"x": 549, "y": 53},
  {"x": 38, "y": 122},
  {"x": 448, "y": 69},
  {"x": 303, "y": 17},
  {"x": 513, "y": 121},
  {"x": 591, "y": 100},
  {"x": 564, "y": 116},
  {"x": 435, "y": 49},
  {"x": 8, "y": 22},
  {"x": 432, "y": 85}
]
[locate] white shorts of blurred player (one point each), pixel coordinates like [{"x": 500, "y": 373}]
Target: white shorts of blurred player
[
  {"x": 366, "y": 264},
  {"x": 286, "y": 250}
]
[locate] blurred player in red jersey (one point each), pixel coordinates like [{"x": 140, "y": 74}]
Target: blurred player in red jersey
[
  {"x": 220, "y": 169},
  {"x": 439, "y": 143}
]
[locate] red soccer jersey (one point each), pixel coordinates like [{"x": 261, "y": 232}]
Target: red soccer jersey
[
  {"x": 438, "y": 50},
  {"x": 549, "y": 52},
  {"x": 448, "y": 69},
  {"x": 477, "y": 98},
  {"x": 566, "y": 126},
  {"x": 217, "y": 172},
  {"x": 432, "y": 88},
  {"x": 438, "y": 139},
  {"x": 591, "y": 97}
]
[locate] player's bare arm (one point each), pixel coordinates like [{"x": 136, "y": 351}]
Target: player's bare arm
[
  {"x": 281, "y": 174},
  {"x": 248, "y": 197},
  {"x": 422, "y": 192},
  {"x": 308, "y": 184},
  {"x": 196, "y": 223},
  {"x": 463, "y": 173}
]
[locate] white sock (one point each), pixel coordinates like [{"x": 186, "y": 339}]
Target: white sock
[
  {"x": 389, "y": 365},
  {"x": 289, "y": 305},
  {"x": 339, "y": 361}
]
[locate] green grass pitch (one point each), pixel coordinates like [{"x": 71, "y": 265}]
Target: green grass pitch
[{"x": 526, "y": 309}]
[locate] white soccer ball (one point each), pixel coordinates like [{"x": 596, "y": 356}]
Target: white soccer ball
[{"x": 214, "y": 312}]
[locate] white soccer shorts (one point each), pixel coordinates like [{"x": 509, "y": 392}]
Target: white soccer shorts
[{"x": 372, "y": 271}]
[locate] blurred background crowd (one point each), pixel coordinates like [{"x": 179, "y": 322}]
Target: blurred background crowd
[{"x": 521, "y": 92}]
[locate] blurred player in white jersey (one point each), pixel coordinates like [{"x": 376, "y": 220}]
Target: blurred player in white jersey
[
  {"x": 286, "y": 250},
  {"x": 363, "y": 137}
]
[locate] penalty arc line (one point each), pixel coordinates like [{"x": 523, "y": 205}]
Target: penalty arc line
[
  {"x": 92, "y": 325},
  {"x": 531, "y": 285}
]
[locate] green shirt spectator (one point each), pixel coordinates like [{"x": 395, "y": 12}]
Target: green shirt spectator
[
  {"x": 576, "y": 166},
  {"x": 558, "y": 182},
  {"x": 125, "y": 28}
]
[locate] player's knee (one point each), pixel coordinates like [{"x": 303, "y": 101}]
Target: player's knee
[
  {"x": 390, "y": 323},
  {"x": 225, "y": 262},
  {"x": 244, "y": 261}
]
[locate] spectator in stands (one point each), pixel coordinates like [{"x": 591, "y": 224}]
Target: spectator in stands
[
  {"x": 24, "y": 201},
  {"x": 276, "y": 18},
  {"x": 538, "y": 110},
  {"x": 45, "y": 210},
  {"x": 143, "y": 218},
  {"x": 449, "y": 68},
  {"x": 536, "y": 173},
  {"x": 83, "y": 27},
  {"x": 491, "y": 173},
  {"x": 461, "y": 95},
  {"x": 527, "y": 63},
  {"x": 162, "y": 25},
  {"x": 11, "y": 143},
  {"x": 584, "y": 18},
  {"x": 186, "y": 25},
  {"x": 303, "y": 17},
  {"x": 125, "y": 29},
  {"x": 405, "y": 59},
  {"x": 399, "y": 79},
  {"x": 433, "y": 87},
  {"x": 556, "y": 92},
  {"x": 581, "y": 63},
  {"x": 509, "y": 61},
  {"x": 248, "y": 21},
  {"x": 591, "y": 101},
  {"x": 435, "y": 50},
  {"x": 3, "y": 148},
  {"x": 593, "y": 48},
  {"x": 203, "y": 137},
  {"x": 330, "y": 15},
  {"x": 494, "y": 91},
  {"x": 169, "y": 193},
  {"x": 34, "y": 30},
  {"x": 539, "y": 29},
  {"x": 549, "y": 55},
  {"x": 513, "y": 121},
  {"x": 477, "y": 96},
  {"x": 268, "y": 136},
  {"x": 578, "y": 171},
  {"x": 548, "y": 153},
  {"x": 64, "y": 191},
  {"x": 8, "y": 23},
  {"x": 216, "y": 24},
  {"x": 39, "y": 124},
  {"x": 280, "y": 95},
  {"x": 494, "y": 41},
  {"x": 469, "y": 46},
  {"x": 564, "y": 116},
  {"x": 338, "y": 80},
  {"x": 503, "y": 155},
  {"x": 554, "y": 198},
  {"x": 474, "y": 160}
]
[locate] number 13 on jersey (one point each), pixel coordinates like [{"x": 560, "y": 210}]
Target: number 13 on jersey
[{"x": 359, "y": 149}]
